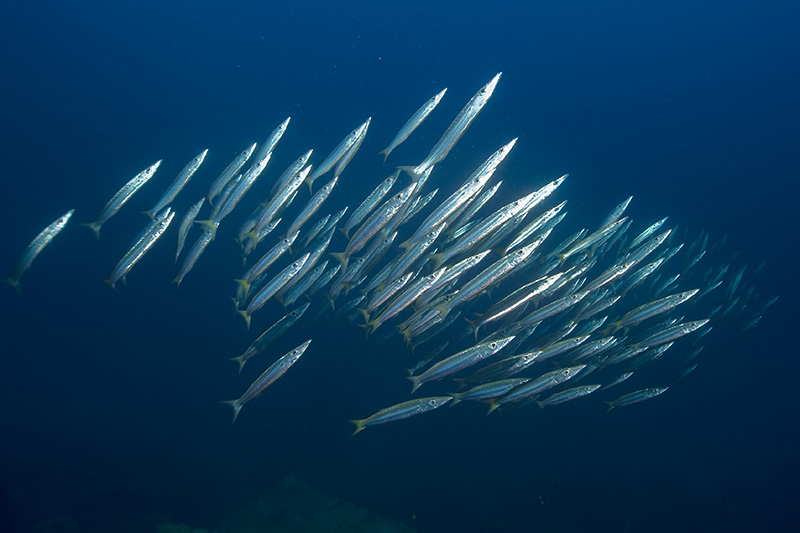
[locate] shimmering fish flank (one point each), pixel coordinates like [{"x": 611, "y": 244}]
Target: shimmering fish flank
[{"x": 439, "y": 271}]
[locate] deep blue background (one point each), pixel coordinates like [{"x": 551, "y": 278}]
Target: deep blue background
[{"x": 108, "y": 402}]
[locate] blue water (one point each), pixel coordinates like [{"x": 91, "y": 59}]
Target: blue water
[{"x": 109, "y": 408}]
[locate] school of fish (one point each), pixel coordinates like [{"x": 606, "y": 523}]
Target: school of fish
[{"x": 503, "y": 301}]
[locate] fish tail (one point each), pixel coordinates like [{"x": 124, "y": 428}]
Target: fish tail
[
  {"x": 411, "y": 171},
  {"x": 111, "y": 283},
  {"x": 610, "y": 406},
  {"x": 149, "y": 214},
  {"x": 373, "y": 326},
  {"x": 443, "y": 310},
  {"x": 177, "y": 281},
  {"x": 14, "y": 282},
  {"x": 406, "y": 245},
  {"x": 539, "y": 404},
  {"x": 492, "y": 406},
  {"x": 365, "y": 314},
  {"x": 347, "y": 286},
  {"x": 415, "y": 383},
  {"x": 209, "y": 226},
  {"x": 385, "y": 153},
  {"x": 94, "y": 226},
  {"x": 438, "y": 259},
  {"x": 407, "y": 338},
  {"x": 246, "y": 318},
  {"x": 251, "y": 236},
  {"x": 236, "y": 406},
  {"x": 359, "y": 426},
  {"x": 475, "y": 325},
  {"x": 330, "y": 301},
  {"x": 243, "y": 283},
  {"x": 456, "y": 398},
  {"x": 240, "y": 361},
  {"x": 365, "y": 327},
  {"x": 461, "y": 383},
  {"x": 343, "y": 259}
]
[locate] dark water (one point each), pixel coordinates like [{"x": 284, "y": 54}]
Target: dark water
[{"x": 109, "y": 408}]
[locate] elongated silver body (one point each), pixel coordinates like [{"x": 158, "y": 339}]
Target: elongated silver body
[
  {"x": 459, "y": 125},
  {"x": 351, "y": 152},
  {"x": 459, "y": 361},
  {"x": 186, "y": 224},
  {"x": 270, "y": 142},
  {"x": 471, "y": 188},
  {"x": 567, "y": 395},
  {"x": 193, "y": 256},
  {"x": 489, "y": 276},
  {"x": 401, "y": 411},
  {"x": 272, "y": 287},
  {"x": 267, "y": 378},
  {"x": 270, "y": 335},
  {"x": 652, "y": 309},
  {"x": 535, "y": 386},
  {"x": 281, "y": 198},
  {"x": 312, "y": 206},
  {"x": 370, "y": 202},
  {"x": 378, "y": 220},
  {"x": 121, "y": 197},
  {"x": 413, "y": 123},
  {"x": 636, "y": 397},
  {"x": 36, "y": 246},
  {"x": 336, "y": 155},
  {"x": 230, "y": 171},
  {"x": 178, "y": 184},
  {"x": 142, "y": 245}
]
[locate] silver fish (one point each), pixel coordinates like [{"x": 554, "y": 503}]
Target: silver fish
[
  {"x": 457, "y": 127},
  {"x": 413, "y": 123},
  {"x": 186, "y": 224},
  {"x": 635, "y": 397},
  {"x": 178, "y": 184},
  {"x": 270, "y": 335},
  {"x": 276, "y": 370},
  {"x": 336, "y": 155},
  {"x": 36, "y": 246},
  {"x": 401, "y": 411},
  {"x": 230, "y": 171},
  {"x": 121, "y": 197},
  {"x": 348, "y": 156},
  {"x": 271, "y": 288},
  {"x": 142, "y": 245},
  {"x": 369, "y": 203},
  {"x": 459, "y": 361}
]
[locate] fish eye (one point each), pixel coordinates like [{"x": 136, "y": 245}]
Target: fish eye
[
  {"x": 432, "y": 403},
  {"x": 493, "y": 345}
]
